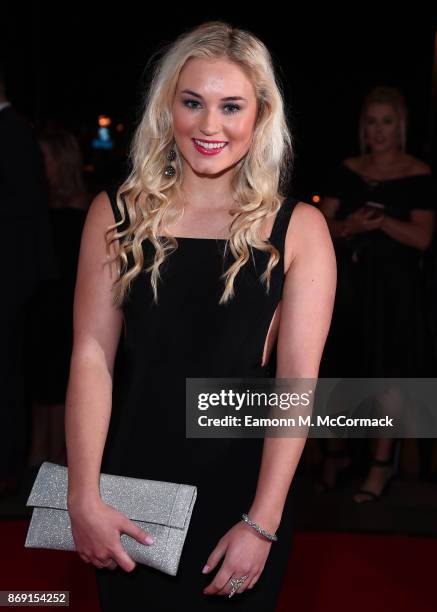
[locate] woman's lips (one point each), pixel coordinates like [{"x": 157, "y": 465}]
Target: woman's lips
[{"x": 211, "y": 151}]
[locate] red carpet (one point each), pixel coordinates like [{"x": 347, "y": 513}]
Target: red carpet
[
  {"x": 365, "y": 573},
  {"x": 327, "y": 572}
]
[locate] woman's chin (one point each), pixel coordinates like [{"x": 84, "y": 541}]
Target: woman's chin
[{"x": 209, "y": 169}]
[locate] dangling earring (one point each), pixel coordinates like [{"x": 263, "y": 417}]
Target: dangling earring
[{"x": 170, "y": 170}]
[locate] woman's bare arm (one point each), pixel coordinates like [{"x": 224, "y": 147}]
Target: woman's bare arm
[
  {"x": 418, "y": 232},
  {"x": 97, "y": 328},
  {"x": 306, "y": 312}
]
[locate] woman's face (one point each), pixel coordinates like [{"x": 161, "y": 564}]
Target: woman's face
[
  {"x": 214, "y": 113},
  {"x": 382, "y": 127}
]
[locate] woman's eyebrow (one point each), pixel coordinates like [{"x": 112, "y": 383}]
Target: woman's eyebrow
[{"x": 193, "y": 93}]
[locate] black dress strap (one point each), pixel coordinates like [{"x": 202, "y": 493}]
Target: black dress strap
[
  {"x": 112, "y": 194},
  {"x": 282, "y": 220},
  {"x": 111, "y": 190}
]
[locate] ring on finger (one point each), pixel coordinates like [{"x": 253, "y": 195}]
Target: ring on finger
[{"x": 235, "y": 584}]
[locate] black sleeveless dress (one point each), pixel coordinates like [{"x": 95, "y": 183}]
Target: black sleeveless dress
[
  {"x": 381, "y": 320},
  {"x": 189, "y": 335}
]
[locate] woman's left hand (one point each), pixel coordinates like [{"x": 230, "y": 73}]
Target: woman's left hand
[{"x": 245, "y": 551}]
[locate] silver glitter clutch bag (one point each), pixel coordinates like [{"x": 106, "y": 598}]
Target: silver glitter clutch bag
[{"x": 162, "y": 508}]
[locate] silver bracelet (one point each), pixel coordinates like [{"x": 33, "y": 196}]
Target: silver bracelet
[{"x": 269, "y": 536}]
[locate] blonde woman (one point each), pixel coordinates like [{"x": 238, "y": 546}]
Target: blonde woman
[
  {"x": 380, "y": 207},
  {"x": 209, "y": 159}
]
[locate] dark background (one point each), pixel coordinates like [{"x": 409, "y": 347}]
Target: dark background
[{"x": 71, "y": 64}]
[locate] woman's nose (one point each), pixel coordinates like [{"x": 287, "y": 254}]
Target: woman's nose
[{"x": 209, "y": 123}]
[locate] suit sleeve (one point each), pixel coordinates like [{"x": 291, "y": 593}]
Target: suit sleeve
[{"x": 23, "y": 186}]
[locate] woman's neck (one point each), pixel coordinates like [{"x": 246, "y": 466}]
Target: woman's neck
[
  {"x": 385, "y": 159},
  {"x": 212, "y": 192}
]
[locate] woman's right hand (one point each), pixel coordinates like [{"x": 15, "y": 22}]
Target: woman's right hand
[
  {"x": 96, "y": 529},
  {"x": 361, "y": 220}
]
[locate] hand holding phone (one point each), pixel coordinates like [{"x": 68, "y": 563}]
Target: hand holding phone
[
  {"x": 375, "y": 208},
  {"x": 365, "y": 219}
]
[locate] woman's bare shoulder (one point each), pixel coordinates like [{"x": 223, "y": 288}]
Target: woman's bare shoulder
[
  {"x": 355, "y": 163},
  {"x": 408, "y": 164},
  {"x": 307, "y": 226},
  {"x": 418, "y": 166},
  {"x": 100, "y": 214}
]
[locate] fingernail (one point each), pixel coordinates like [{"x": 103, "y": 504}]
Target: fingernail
[
  {"x": 205, "y": 569},
  {"x": 149, "y": 540}
]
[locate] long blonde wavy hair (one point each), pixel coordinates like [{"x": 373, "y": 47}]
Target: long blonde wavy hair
[{"x": 257, "y": 182}]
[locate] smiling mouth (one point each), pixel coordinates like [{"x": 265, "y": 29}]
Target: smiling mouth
[
  {"x": 209, "y": 147},
  {"x": 210, "y": 143}
]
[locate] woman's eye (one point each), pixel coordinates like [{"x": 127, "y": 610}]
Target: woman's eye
[
  {"x": 234, "y": 108},
  {"x": 188, "y": 102}
]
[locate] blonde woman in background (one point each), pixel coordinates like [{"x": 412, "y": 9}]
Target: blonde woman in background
[{"x": 380, "y": 208}]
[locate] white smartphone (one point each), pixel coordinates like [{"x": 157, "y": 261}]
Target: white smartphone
[{"x": 376, "y": 208}]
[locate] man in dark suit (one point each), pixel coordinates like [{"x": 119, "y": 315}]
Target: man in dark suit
[{"x": 27, "y": 258}]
